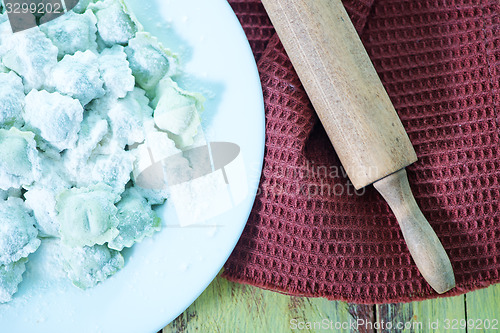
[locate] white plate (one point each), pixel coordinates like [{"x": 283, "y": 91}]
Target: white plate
[{"x": 164, "y": 275}]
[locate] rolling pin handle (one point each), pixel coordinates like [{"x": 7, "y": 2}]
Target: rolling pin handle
[{"x": 425, "y": 247}]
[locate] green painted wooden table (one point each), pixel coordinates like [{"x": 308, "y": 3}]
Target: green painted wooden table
[{"x": 230, "y": 307}]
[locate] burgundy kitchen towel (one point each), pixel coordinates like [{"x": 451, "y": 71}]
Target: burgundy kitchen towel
[{"x": 309, "y": 232}]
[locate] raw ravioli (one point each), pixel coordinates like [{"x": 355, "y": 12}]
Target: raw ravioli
[
  {"x": 81, "y": 6},
  {"x": 31, "y": 55},
  {"x": 19, "y": 164},
  {"x": 115, "y": 72},
  {"x": 92, "y": 131},
  {"x": 41, "y": 197},
  {"x": 149, "y": 175},
  {"x": 12, "y": 100},
  {"x": 77, "y": 76},
  {"x": 86, "y": 266},
  {"x": 115, "y": 24},
  {"x": 10, "y": 277},
  {"x": 127, "y": 116},
  {"x": 18, "y": 236},
  {"x": 149, "y": 60},
  {"x": 137, "y": 220},
  {"x": 87, "y": 216},
  {"x": 43, "y": 203},
  {"x": 82, "y": 156},
  {"x": 110, "y": 169},
  {"x": 177, "y": 111},
  {"x": 72, "y": 32},
  {"x": 56, "y": 118}
]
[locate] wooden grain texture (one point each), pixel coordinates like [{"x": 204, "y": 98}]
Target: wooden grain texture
[
  {"x": 482, "y": 306},
  {"x": 343, "y": 86},
  {"x": 425, "y": 316},
  {"x": 230, "y": 307},
  {"x": 423, "y": 243}
]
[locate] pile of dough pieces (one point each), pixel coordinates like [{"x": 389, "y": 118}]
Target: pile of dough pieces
[{"x": 84, "y": 99}]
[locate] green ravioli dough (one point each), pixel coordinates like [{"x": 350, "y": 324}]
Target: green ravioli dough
[
  {"x": 19, "y": 162},
  {"x": 10, "y": 277},
  {"x": 41, "y": 197},
  {"x": 157, "y": 147},
  {"x": 54, "y": 118},
  {"x": 86, "y": 266},
  {"x": 113, "y": 170},
  {"x": 12, "y": 100},
  {"x": 72, "y": 32},
  {"x": 87, "y": 216},
  {"x": 137, "y": 220},
  {"x": 92, "y": 131},
  {"x": 115, "y": 72},
  {"x": 31, "y": 55},
  {"x": 18, "y": 236},
  {"x": 177, "y": 111},
  {"x": 126, "y": 117},
  {"x": 81, "y": 6},
  {"x": 149, "y": 60},
  {"x": 115, "y": 24},
  {"x": 77, "y": 76}
]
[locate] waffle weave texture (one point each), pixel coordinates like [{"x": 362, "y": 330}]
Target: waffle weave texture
[{"x": 309, "y": 232}]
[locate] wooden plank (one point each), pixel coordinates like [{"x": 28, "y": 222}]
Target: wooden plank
[
  {"x": 425, "y": 316},
  {"x": 229, "y": 307},
  {"x": 483, "y": 310}
]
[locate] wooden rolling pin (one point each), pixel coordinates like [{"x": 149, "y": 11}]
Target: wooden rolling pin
[{"x": 359, "y": 117}]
